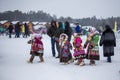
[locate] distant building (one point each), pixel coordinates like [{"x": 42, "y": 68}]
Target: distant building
[
  {"x": 6, "y": 23},
  {"x": 86, "y": 27}
]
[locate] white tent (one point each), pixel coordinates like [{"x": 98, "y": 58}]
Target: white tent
[
  {"x": 3, "y": 22},
  {"x": 14, "y": 22},
  {"x": 86, "y": 27}
]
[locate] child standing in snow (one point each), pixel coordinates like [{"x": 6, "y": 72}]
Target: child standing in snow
[
  {"x": 65, "y": 46},
  {"x": 36, "y": 47},
  {"x": 79, "y": 52}
]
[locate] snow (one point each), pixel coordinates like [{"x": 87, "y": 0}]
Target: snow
[
  {"x": 3, "y": 22},
  {"x": 15, "y": 22},
  {"x": 36, "y": 27},
  {"x": 14, "y": 54}
]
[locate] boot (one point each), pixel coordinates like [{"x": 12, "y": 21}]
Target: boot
[
  {"x": 72, "y": 60},
  {"x": 31, "y": 59},
  {"x": 41, "y": 58},
  {"x": 92, "y": 62},
  {"x": 58, "y": 57},
  {"x": 109, "y": 59},
  {"x": 82, "y": 63},
  {"x": 78, "y": 62},
  {"x": 65, "y": 63}
]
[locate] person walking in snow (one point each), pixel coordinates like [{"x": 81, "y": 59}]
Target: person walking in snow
[
  {"x": 10, "y": 30},
  {"x": 58, "y": 32},
  {"x": 65, "y": 46},
  {"x": 68, "y": 30},
  {"x": 2, "y": 29},
  {"x": 51, "y": 33},
  {"x": 78, "y": 28},
  {"x": 37, "y": 48},
  {"x": 92, "y": 46},
  {"x": 23, "y": 30},
  {"x": 26, "y": 30},
  {"x": 108, "y": 40},
  {"x": 17, "y": 30},
  {"x": 79, "y": 52}
]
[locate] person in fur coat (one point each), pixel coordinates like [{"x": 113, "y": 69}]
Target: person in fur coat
[
  {"x": 65, "y": 46},
  {"x": 92, "y": 46},
  {"x": 108, "y": 41},
  {"x": 79, "y": 52},
  {"x": 36, "y": 48}
]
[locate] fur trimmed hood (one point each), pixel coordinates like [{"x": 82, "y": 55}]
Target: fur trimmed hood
[{"x": 63, "y": 39}]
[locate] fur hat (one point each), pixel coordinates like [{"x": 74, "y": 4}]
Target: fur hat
[
  {"x": 37, "y": 36},
  {"x": 63, "y": 39}
]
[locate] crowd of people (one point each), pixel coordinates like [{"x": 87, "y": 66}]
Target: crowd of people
[
  {"x": 16, "y": 29},
  {"x": 61, "y": 33}
]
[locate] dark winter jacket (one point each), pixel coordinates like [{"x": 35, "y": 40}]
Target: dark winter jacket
[
  {"x": 10, "y": 28},
  {"x": 108, "y": 41},
  {"x": 68, "y": 30},
  {"x": 17, "y": 27},
  {"x": 59, "y": 31},
  {"x": 51, "y": 31},
  {"x": 26, "y": 29}
]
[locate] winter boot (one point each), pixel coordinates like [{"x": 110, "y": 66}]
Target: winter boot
[
  {"x": 72, "y": 60},
  {"x": 31, "y": 59},
  {"x": 82, "y": 63},
  {"x": 92, "y": 62},
  {"x": 109, "y": 59},
  {"x": 78, "y": 62},
  {"x": 57, "y": 57},
  {"x": 41, "y": 57}
]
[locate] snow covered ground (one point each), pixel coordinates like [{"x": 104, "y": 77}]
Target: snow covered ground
[{"x": 14, "y": 54}]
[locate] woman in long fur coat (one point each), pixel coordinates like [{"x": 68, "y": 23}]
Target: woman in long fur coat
[{"x": 108, "y": 41}]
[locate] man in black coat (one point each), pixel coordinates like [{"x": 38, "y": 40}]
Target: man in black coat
[
  {"x": 10, "y": 29},
  {"x": 108, "y": 41},
  {"x": 17, "y": 30},
  {"x": 26, "y": 30},
  {"x": 51, "y": 33},
  {"x": 68, "y": 30},
  {"x": 58, "y": 32}
]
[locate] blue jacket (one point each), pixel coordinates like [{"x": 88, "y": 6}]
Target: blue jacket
[{"x": 78, "y": 29}]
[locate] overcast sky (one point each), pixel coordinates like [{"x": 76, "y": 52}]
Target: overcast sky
[{"x": 72, "y": 8}]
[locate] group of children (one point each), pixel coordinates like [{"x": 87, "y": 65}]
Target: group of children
[{"x": 79, "y": 54}]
